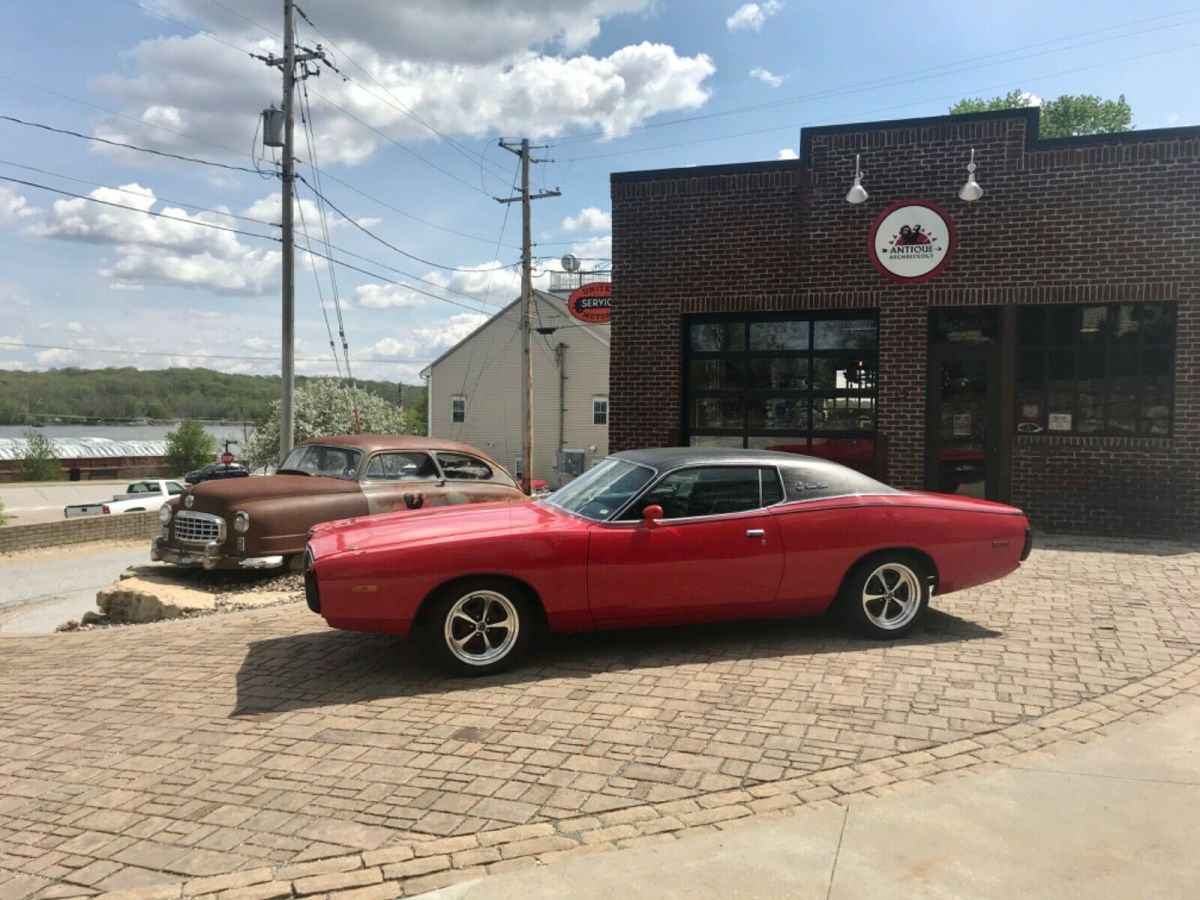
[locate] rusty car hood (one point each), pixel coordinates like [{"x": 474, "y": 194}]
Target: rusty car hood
[
  {"x": 231, "y": 491},
  {"x": 463, "y": 522}
]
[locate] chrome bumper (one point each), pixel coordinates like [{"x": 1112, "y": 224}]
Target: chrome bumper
[{"x": 209, "y": 557}]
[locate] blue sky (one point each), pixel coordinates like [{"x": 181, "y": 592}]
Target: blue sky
[{"x": 603, "y": 82}]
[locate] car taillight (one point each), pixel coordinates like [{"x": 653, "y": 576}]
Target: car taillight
[
  {"x": 1025, "y": 550},
  {"x": 104, "y": 509}
]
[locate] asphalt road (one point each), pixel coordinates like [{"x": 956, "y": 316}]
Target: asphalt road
[
  {"x": 28, "y": 503},
  {"x": 53, "y": 587}
]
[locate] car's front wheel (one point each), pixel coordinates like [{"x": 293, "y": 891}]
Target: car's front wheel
[
  {"x": 479, "y": 627},
  {"x": 885, "y": 595}
]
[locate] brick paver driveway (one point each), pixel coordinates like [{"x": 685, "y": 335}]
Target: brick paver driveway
[{"x": 283, "y": 757}]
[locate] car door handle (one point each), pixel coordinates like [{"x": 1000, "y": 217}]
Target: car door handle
[{"x": 756, "y": 532}]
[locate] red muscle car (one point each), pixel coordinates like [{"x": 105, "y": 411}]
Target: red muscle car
[{"x": 656, "y": 537}]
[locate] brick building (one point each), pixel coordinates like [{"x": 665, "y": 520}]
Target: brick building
[{"x": 1040, "y": 345}]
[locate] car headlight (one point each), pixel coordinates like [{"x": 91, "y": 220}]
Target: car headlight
[
  {"x": 241, "y": 521},
  {"x": 164, "y": 514}
]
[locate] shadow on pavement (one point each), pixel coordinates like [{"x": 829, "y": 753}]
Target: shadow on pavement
[
  {"x": 1081, "y": 543},
  {"x": 326, "y": 668}
]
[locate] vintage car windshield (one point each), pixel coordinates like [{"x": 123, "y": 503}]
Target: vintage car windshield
[
  {"x": 318, "y": 459},
  {"x": 602, "y": 490}
]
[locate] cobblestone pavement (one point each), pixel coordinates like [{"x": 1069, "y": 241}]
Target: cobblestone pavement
[{"x": 260, "y": 754}]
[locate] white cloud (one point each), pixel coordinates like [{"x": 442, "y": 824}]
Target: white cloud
[
  {"x": 589, "y": 219},
  {"x": 1031, "y": 99},
  {"x": 788, "y": 153},
  {"x": 386, "y": 296},
  {"x": 76, "y": 327},
  {"x": 213, "y": 96},
  {"x": 7, "y": 342},
  {"x": 56, "y": 357},
  {"x": 13, "y": 207},
  {"x": 751, "y": 16},
  {"x": 766, "y": 76},
  {"x": 160, "y": 250},
  {"x": 593, "y": 251},
  {"x": 427, "y": 341},
  {"x": 1173, "y": 119}
]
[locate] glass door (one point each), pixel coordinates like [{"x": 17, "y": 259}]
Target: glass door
[{"x": 963, "y": 431}]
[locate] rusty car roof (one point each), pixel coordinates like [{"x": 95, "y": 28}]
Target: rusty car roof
[{"x": 372, "y": 442}]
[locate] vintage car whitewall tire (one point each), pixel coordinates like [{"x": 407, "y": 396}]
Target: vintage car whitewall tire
[
  {"x": 478, "y": 626},
  {"x": 885, "y": 595}
]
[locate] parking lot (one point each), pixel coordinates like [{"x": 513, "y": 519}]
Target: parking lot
[{"x": 263, "y": 748}]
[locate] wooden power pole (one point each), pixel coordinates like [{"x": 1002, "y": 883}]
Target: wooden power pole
[{"x": 526, "y": 305}]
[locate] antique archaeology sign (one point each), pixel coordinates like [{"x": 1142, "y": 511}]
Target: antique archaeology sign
[
  {"x": 592, "y": 303},
  {"x": 912, "y": 240}
]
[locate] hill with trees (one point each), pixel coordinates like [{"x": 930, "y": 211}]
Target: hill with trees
[{"x": 128, "y": 396}]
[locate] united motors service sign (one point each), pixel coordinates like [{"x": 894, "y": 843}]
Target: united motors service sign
[
  {"x": 592, "y": 303},
  {"x": 912, "y": 240}
]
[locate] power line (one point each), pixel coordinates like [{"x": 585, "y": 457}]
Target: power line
[
  {"x": 159, "y": 353},
  {"x": 198, "y": 208},
  {"x": 199, "y": 31},
  {"x": 895, "y": 80},
  {"x": 391, "y": 246},
  {"x": 148, "y": 212},
  {"x": 100, "y": 140}
]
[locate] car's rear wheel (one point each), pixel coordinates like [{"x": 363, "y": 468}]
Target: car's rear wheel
[
  {"x": 479, "y": 627},
  {"x": 886, "y": 595}
]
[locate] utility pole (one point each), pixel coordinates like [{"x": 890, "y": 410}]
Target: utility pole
[
  {"x": 287, "y": 64},
  {"x": 526, "y": 304}
]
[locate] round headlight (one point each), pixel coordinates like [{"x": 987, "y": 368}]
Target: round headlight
[
  {"x": 241, "y": 522},
  {"x": 164, "y": 513}
]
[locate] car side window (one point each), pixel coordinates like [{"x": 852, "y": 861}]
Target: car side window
[
  {"x": 710, "y": 491},
  {"x": 460, "y": 467},
  {"x": 174, "y": 487},
  {"x": 401, "y": 467}
]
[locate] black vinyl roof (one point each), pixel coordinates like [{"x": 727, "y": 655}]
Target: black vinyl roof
[{"x": 804, "y": 476}]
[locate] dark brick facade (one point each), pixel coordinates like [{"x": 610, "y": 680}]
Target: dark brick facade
[{"x": 1103, "y": 218}]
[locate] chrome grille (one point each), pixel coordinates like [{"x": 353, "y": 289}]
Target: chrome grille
[{"x": 198, "y": 528}]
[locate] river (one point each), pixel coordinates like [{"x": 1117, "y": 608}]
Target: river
[{"x": 221, "y": 432}]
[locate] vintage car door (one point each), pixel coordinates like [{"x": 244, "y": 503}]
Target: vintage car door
[
  {"x": 400, "y": 479},
  {"x": 715, "y": 554},
  {"x": 468, "y": 479}
]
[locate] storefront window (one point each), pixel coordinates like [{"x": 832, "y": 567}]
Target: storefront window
[
  {"x": 1096, "y": 369},
  {"x": 796, "y": 383}
]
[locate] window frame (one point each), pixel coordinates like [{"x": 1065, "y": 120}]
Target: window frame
[
  {"x": 491, "y": 476},
  {"x": 1046, "y": 347},
  {"x": 809, "y": 394},
  {"x": 458, "y": 410},
  {"x": 366, "y": 472},
  {"x": 596, "y": 413},
  {"x": 618, "y": 517}
]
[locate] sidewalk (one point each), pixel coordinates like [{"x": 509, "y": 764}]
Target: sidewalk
[{"x": 1117, "y": 817}]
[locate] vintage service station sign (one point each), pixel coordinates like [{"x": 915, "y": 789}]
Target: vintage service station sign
[
  {"x": 592, "y": 303},
  {"x": 912, "y": 240}
]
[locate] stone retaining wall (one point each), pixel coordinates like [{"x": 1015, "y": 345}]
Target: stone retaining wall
[{"x": 124, "y": 527}]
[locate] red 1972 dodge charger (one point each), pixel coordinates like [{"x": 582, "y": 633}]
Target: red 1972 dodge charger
[{"x": 657, "y": 537}]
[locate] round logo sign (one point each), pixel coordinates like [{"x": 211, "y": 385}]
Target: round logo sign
[
  {"x": 912, "y": 240},
  {"x": 592, "y": 303},
  {"x": 226, "y": 458}
]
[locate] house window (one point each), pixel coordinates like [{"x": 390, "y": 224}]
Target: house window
[
  {"x": 458, "y": 409},
  {"x": 799, "y": 383},
  {"x": 599, "y": 410},
  {"x": 1096, "y": 369}
]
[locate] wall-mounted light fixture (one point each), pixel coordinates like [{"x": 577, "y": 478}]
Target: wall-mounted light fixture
[
  {"x": 857, "y": 193},
  {"x": 971, "y": 191}
]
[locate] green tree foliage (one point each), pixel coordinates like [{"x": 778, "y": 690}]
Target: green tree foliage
[
  {"x": 3, "y": 513},
  {"x": 39, "y": 462},
  {"x": 171, "y": 395},
  {"x": 189, "y": 447},
  {"x": 326, "y": 407},
  {"x": 1069, "y": 115}
]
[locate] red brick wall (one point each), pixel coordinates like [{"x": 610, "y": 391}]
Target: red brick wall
[{"x": 1082, "y": 220}]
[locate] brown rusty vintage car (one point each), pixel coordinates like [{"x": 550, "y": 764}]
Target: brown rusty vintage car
[{"x": 263, "y": 522}]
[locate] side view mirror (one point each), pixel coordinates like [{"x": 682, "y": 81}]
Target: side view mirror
[{"x": 651, "y": 514}]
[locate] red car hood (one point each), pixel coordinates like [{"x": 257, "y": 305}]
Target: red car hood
[{"x": 466, "y": 521}]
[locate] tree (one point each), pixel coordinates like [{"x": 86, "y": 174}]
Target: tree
[
  {"x": 3, "y": 514},
  {"x": 326, "y": 407},
  {"x": 39, "y": 462},
  {"x": 189, "y": 447},
  {"x": 1069, "y": 115}
]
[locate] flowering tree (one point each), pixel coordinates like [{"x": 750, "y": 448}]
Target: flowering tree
[{"x": 326, "y": 407}]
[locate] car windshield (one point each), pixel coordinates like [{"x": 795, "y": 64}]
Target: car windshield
[
  {"x": 317, "y": 459},
  {"x": 602, "y": 490}
]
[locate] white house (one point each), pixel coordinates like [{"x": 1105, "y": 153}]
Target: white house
[{"x": 475, "y": 388}]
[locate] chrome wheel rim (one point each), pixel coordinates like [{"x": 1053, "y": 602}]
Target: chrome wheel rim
[
  {"x": 481, "y": 627},
  {"x": 891, "y": 596}
]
